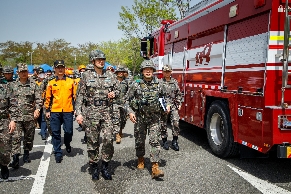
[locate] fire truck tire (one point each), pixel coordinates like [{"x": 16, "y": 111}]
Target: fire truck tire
[{"x": 219, "y": 130}]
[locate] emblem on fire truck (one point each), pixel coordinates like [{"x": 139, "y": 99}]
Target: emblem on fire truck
[{"x": 204, "y": 55}]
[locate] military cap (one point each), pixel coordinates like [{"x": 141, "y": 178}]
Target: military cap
[
  {"x": 49, "y": 71},
  {"x": 35, "y": 67},
  {"x": 7, "y": 69},
  {"x": 22, "y": 67},
  {"x": 167, "y": 68},
  {"x": 59, "y": 63},
  {"x": 40, "y": 70}
]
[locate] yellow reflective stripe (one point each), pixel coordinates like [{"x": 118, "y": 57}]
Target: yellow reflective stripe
[{"x": 278, "y": 38}]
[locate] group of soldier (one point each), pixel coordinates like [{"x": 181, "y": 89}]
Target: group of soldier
[{"x": 100, "y": 100}]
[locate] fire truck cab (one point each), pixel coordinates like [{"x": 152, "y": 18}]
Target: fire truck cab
[{"x": 230, "y": 58}]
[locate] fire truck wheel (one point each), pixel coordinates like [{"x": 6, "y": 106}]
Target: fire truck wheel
[{"x": 219, "y": 130}]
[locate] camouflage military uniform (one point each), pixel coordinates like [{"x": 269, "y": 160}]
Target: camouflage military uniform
[
  {"x": 92, "y": 93},
  {"x": 119, "y": 114},
  {"x": 43, "y": 87},
  {"x": 175, "y": 97},
  {"x": 143, "y": 98},
  {"x": 8, "y": 108},
  {"x": 29, "y": 99}
]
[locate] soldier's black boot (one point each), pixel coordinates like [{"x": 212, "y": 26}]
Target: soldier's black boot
[
  {"x": 175, "y": 145},
  {"x": 165, "y": 144},
  {"x": 26, "y": 158},
  {"x": 4, "y": 172},
  {"x": 105, "y": 173},
  {"x": 95, "y": 172},
  {"x": 85, "y": 139},
  {"x": 15, "y": 162}
]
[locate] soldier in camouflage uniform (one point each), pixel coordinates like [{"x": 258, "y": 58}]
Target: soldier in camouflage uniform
[
  {"x": 1, "y": 72},
  {"x": 175, "y": 98},
  {"x": 118, "y": 110},
  {"x": 8, "y": 73},
  {"x": 94, "y": 101},
  {"x": 27, "y": 94},
  {"x": 8, "y": 108},
  {"x": 145, "y": 112},
  {"x": 43, "y": 87},
  {"x": 35, "y": 73}
]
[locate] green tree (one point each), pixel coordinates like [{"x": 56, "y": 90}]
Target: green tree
[{"x": 145, "y": 16}]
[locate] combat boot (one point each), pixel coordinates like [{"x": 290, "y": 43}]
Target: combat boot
[
  {"x": 4, "y": 172},
  {"x": 105, "y": 173},
  {"x": 156, "y": 172},
  {"x": 165, "y": 144},
  {"x": 95, "y": 172},
  {"x": 26, "y": 158},
  {"x": 175, "y": 145},
  {"x": 118, "y": 138},
  {"x": 15, "y": 162},
  {"x": 140, "y": 163}
]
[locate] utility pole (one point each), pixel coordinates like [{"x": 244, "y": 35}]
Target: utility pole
[
  {"x": 30, "y": 53},
  {"x": 75, "y": 61}
]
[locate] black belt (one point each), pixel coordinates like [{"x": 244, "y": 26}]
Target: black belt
[{"x": 98, "y": 103}]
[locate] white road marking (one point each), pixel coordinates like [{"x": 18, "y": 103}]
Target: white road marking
[
  {"x": 263, "y": 186},
  {"x": 37, "y": 146},
  {"x": 17, "y": 178},
  {"x": 39, "y": 178}
]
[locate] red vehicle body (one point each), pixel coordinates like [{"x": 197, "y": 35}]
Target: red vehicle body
[{"x": 231, "y": 61}]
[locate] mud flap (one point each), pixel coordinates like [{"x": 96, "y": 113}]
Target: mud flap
[{"x": 284, "y": 151}]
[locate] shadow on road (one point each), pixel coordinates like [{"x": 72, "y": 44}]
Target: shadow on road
[{"x": 272, "y": 169}]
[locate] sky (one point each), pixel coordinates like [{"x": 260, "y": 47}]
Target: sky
[{"x": 75, "y": 21}]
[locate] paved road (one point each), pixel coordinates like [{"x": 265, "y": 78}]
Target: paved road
[{"x": 191, "y": 170}]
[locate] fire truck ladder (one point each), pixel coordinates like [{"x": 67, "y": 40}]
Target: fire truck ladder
[{"x": 284, "y": 60}]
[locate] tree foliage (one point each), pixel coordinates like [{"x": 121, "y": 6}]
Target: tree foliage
[{"x": 145, "y": 16}]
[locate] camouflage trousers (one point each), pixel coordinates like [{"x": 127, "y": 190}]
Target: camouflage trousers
[
  {"x": 5, "y": 142},
  {"x": 174, "y": 117},
  {"x": 123, "y": 118},
  {"x": 93, "y": 128},
  {"x": 28, "y": 128},
  {"x": 115, "y": 116},
  {"x": 147, "y": 124},
  {"x": 48, "y": 123}
]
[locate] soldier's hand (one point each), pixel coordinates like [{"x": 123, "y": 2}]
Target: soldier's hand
[
  {"x": 36, "y": 113},
  {"x": 79, "y": 119},
  {"x": 132, "y": 117},
  {"x": 168, "y": 108},
  {"x": 12, "y": 126},
  {"x": 179, "y": 107},
  {"x": 111, "y": 95},
  {"x": 48, "y": 115}
]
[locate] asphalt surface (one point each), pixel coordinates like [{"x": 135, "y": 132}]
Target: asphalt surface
[{"x": 193, "y": 169}]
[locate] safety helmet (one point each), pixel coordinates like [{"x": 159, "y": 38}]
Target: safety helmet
[
  {"x": 147, "y": 63},
  {"x": 90, "y": 67},
  {"x": 69, "y": 72},
  {"x": 7, "y": 69},
  {"x": 96, "y": 54},
  {"x": 81, "y": 67}
]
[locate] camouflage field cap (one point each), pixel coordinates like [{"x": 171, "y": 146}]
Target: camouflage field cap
[
  {"x": 22, "y": 67},
  {"x": 7, "y": 69},
  {"x": 167, "y": 68},
  {"x": 120, "y": 69}
]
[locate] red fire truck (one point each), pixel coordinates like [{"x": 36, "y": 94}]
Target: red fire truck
[{"x": 230, "y": 58}]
